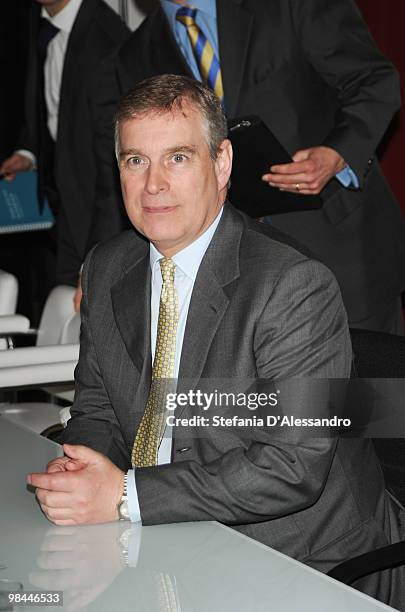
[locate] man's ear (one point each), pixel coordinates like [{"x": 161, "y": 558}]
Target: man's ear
[{"x": 223, "y": 163}]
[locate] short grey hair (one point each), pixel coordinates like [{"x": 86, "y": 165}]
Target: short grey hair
[{"x": 167, "y": 93}]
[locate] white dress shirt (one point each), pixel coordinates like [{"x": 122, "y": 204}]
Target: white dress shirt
[{"x": 187, "y": 264}]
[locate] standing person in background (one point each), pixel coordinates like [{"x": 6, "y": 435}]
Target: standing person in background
[
  {"x": 68, "y": 39},
  {"x": 313, "y": 74}
]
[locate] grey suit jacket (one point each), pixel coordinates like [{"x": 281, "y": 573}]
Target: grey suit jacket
[{"x": 259, "y": 308}]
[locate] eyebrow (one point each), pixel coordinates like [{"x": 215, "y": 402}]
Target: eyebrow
[
  {"x": 129, "y": 152},
  {"x": 174, "y": 149}
]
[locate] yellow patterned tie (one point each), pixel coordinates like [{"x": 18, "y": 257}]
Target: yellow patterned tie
[
  {"x": 207, "y": 61},
  {"x": 152, "y": 426}
]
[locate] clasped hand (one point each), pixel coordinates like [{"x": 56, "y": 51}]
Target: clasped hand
[{"x": 82, "y": 488}]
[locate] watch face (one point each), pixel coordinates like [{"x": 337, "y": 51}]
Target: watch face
[{"x": 123, "y": 511}]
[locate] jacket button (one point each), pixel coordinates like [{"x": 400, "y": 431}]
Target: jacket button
[{"x": 183, "y": 450}]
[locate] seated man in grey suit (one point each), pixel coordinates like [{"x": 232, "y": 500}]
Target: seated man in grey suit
[{"x": 201, "y": 291}]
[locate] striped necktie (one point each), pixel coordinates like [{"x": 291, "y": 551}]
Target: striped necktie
[
  {"x": 207, "y": 61},
  {"x": 153, "y": 423}
]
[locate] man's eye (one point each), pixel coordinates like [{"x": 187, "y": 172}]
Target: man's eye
[
  {"x": 179, "y": 157},
  {"x": 134, "y": 161}
]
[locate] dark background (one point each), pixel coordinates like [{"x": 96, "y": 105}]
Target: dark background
[
  {"x": 21, "y": 253},
  {"x": 386, "y": 19}
]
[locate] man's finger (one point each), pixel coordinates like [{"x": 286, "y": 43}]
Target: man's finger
[
  {"x": 53, "y": 499},
  {"x": 302, "y": 155},
  {"x": 58, "y": 514},
  {"x": 57, "y": 465},
  {"x": 301, "y": 191},
  {"x": 288, "y": 187},
  {"x": 73, "y": 465},
  {"x": 288, "y": 179},
  {"x": 56, "y": 481},
  {"x": 292, "y": 168},
  {"x": 83, "y": 454}
]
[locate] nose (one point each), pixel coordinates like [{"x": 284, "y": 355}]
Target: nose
[{"x": 156, "y": 181}]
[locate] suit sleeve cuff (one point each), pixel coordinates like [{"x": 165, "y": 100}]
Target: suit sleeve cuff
[
  {"x": 348, "y": 178},
  {"x": 133, "y": 503}
]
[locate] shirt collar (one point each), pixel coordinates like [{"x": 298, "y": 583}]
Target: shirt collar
[
  {"x": 189, "y": 258},
  {"x": 205, "y": 6},
  {"x": 65, "y": 19}
]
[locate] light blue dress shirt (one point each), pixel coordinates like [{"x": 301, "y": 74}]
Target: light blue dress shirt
[
  {"x": 206, "y": 19},
  {"x": 187, "y": 263}
]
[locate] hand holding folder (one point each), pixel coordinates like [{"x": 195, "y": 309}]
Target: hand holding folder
[
  {"x": 255, "y": 150},
  {"x": 19, "y": 205}
]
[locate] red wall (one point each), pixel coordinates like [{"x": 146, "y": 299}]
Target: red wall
[{"x": 386, "y": 19}]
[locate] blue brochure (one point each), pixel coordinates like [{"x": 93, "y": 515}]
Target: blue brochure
[{"x": 19, "y": 211}]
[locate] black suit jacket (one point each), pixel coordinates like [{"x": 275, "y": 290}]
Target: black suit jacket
[
  {"x": 312, "y": 72},
  {"x": 96, "y": 32}
]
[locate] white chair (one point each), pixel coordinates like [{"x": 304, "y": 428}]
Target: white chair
[
  {"x": 8, "y": 293},
  {"x": 54, "y": 356},
  {"x": 59, "y": 323},
  {"x": 56, "y": 319},
  {"x": 36, "y": 416},
  {"x": 8, "y": 299}
]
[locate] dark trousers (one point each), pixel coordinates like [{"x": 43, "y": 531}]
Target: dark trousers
[{"x": 68, "y": 260}]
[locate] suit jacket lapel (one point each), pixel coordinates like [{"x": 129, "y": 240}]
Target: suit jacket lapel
[
  {"x": 211, "y": 295},
  {"x": 131, "y": 306},
  {"x": 234, "y": 30},
  {"x": 162, "y": 55},
  {"x": 73, "y": 51},
  {"x": 166, "y": 55}
]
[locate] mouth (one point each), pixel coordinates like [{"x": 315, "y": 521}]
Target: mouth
[{"x": 156, "y": 210}]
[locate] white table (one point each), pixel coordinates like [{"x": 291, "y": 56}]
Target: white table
[{"x": 193, "y": 567}]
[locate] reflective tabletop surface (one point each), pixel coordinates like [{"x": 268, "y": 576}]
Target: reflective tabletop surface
[{"x": 188, "y": 567}]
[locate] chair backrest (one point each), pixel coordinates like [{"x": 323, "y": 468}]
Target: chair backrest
[
  {"x": 56, "y": 315},
  {"x": 8, "y": 293},
  {"x": 380, "y": 355}
]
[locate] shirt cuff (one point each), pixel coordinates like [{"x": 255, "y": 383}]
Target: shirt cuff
[
  {"x": 132, "y": 493},
  {"x": 348, "y": 178},
  {"x": 28, "y": 155}
]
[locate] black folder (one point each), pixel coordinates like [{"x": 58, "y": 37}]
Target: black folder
[{"x": 255, "y": 149}]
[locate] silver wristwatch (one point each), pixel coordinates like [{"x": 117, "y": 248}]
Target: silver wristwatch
[{"x": 123, "y": 511}]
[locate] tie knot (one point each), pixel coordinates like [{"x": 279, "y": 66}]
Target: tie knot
[
  {"x": 167, "y": 267},
  {"x": 186, "y": 15}
]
